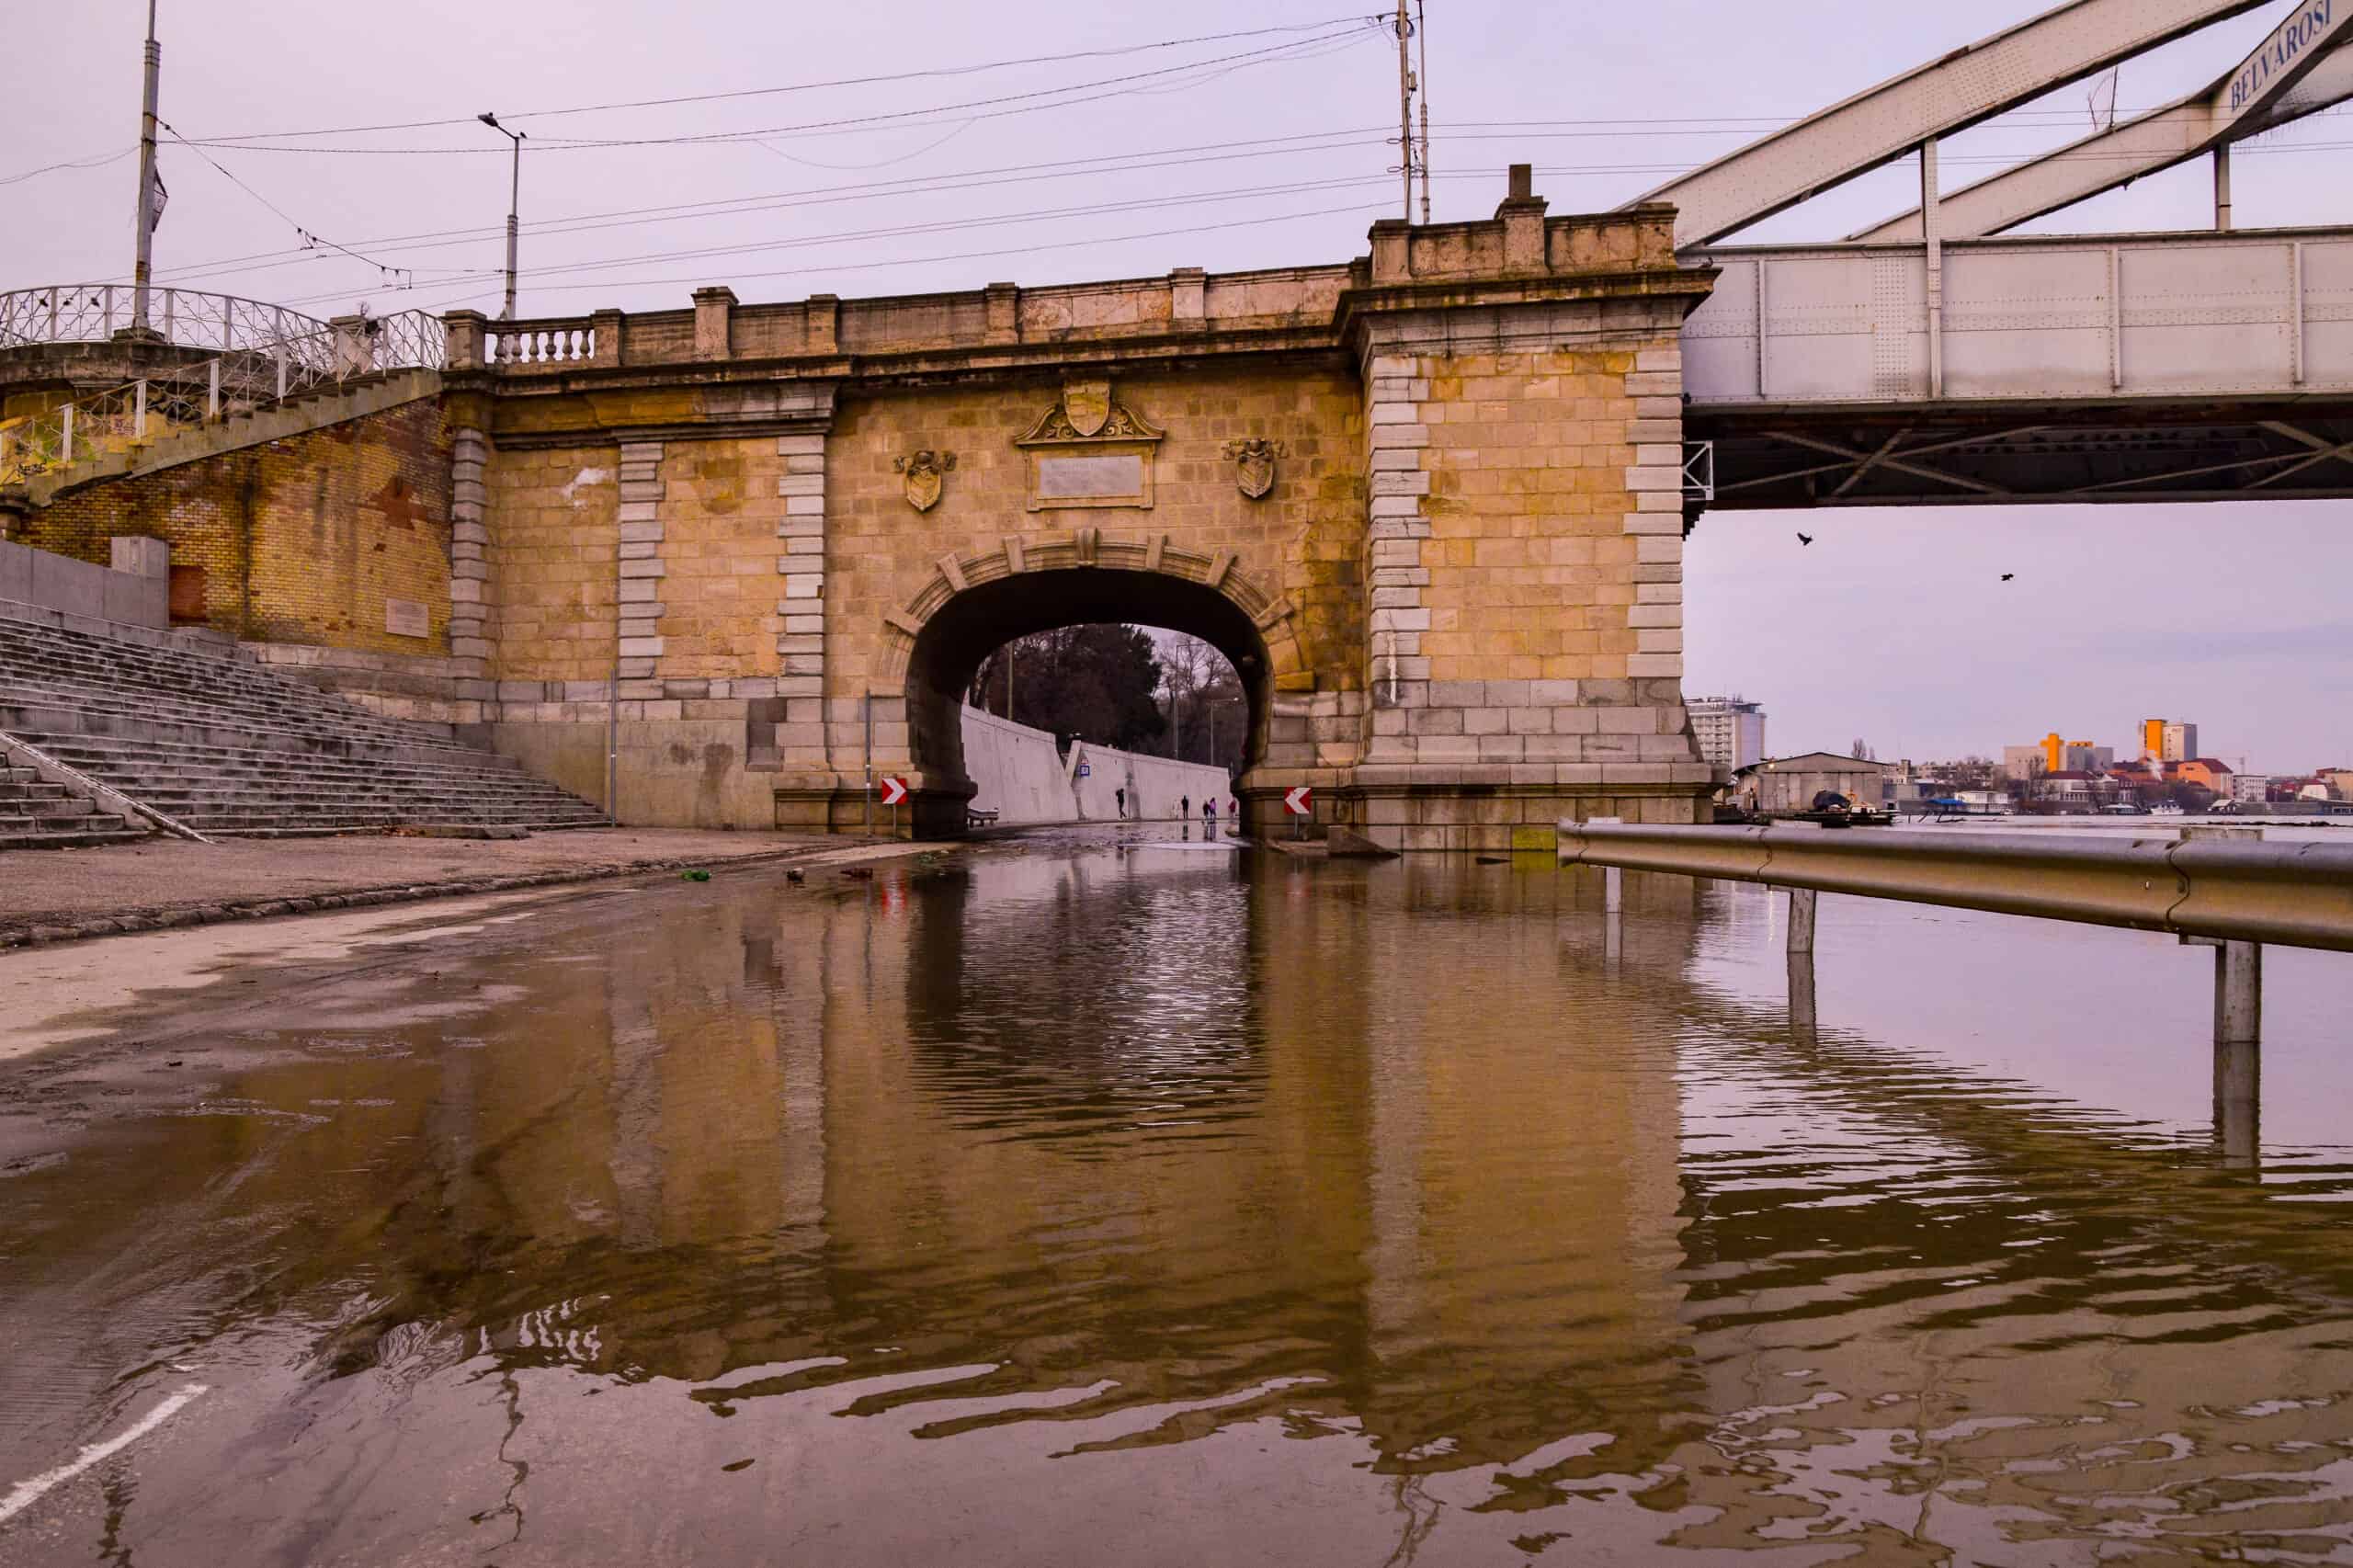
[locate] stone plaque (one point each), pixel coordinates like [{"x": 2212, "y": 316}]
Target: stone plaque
[
  {"x": 1116, "y": 480},
  {"x": 406, "y": 618}
]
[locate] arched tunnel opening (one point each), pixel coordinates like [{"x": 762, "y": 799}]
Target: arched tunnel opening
[{"x": 965, "y": 632}]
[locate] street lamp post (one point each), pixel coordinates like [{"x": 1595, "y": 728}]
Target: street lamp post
[{"x": 514, "y": 207}]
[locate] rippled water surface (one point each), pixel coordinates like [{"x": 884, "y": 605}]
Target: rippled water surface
[{"x": 1076, "y": 1202}]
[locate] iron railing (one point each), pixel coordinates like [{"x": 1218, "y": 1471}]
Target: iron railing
[
  {"x": 245, "y": 379},
  {"x": 187, "y": 318}
]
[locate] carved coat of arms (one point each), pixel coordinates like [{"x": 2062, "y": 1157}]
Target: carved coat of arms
[
  {"x": 1087, "y": 405},
  {"x": 1253, "y": 465},
  {"x": 926, "y": 473}
]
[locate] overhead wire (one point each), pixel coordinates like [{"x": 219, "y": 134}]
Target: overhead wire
[
  {"x": 972, "y": 70},
  {"x": 396, "y": 275},
  {"x": 998, "y": 108},
  {"x": 906, "y": 186}
]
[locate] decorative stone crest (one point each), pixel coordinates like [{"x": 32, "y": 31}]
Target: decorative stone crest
[
  {"x": 1089, "y": 451},
  {"x": 1087, "y": 405},
  {"x": 1253, "y": 465},
  {"x": 927, "y": 473}
]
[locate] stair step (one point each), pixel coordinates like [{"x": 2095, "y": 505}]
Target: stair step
[{"x": 234, "y": 748}]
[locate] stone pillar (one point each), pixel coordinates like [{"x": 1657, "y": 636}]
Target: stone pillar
[
  {"x": 470, "y": 584},
  {"x": 802, "y": 738},
  {"x": 1524, "y": 531},
  {"x": 714, "y": 323},
  {"x": 640, "y": 570},
  {"x": 823, "y": 315},
  {"x": 605, "y": 328},
  {"x": 464, "y": 331}
]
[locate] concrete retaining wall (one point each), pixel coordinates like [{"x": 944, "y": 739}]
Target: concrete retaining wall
[
  {"x": 1021, "y": 776},
  {"x": 1026, "y": 780},
  {"x": 1155, "y": 785},
  {"x": 79, "y": 589}
]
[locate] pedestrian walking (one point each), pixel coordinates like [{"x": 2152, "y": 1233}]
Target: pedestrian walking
[
  {"x": 1209, "y": 819},
  {"x": 1122, "y": 796},
  {"x": 1185, "y": 808}
]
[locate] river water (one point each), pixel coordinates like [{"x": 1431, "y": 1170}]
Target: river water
[{"x": 1076, "y": 1201}]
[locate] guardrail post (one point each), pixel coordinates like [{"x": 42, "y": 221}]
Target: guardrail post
[
  {"x": 1804, "y": 1026},
  {"x": 1801, "y": 902},
  {"x": 213, "y": 390},
  {"x": 2238, "y": 1050},
  {"x": 139, "y": 411},
  {"x": 281, "y": 372},
  {"x": 2238, "y": 1032},
  {"x": 65, "y": 449}
]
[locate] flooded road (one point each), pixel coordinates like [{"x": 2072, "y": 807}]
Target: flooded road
[{"x": 1070, "y": 1201}]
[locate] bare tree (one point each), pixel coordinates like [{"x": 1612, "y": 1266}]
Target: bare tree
[{"x": 1188, "y": 667}]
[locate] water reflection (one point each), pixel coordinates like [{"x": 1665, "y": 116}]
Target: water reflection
[{"x": 1089, "y": 1202}]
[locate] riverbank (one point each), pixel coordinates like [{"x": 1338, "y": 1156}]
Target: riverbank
[{"x": 48, "y": 895}]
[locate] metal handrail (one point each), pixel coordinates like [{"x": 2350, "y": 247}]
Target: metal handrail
[
  {"x": 2221, "y": 889},
  {"x": 189, "y": 318}
]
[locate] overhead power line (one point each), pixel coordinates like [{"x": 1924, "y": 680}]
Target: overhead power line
[
  {"x": 994, "y": 108},
  {"x": 913, "y": 185},
  {"x": 973, "y": 70}
]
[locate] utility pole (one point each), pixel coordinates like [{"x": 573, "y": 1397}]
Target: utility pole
[
  {"x": 1406, "y": 104},
  {"x": 1421, "y": 84},
  {"x": 514, "y": 207},
  {"x": 145, "y": 224}
]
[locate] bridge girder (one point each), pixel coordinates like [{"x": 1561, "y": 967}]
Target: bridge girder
[
  {"x": 1791, "y": 457},
  {"x": 2314, "y": 71},
  {"x": 1970, "y": 85}
]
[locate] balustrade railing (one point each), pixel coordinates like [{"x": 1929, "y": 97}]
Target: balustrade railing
[{"x": 539, "y": 342}]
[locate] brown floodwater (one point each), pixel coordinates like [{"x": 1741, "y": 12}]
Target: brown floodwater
[{"x": 1074, "y": 1203}]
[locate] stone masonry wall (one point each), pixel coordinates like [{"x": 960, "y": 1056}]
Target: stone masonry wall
[
  {"x": 1301, "y": 543},
  {"x": 1525, "y": 553},
  {"x": 299, "y": 540}
]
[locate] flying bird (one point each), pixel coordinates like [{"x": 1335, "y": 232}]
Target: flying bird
[
  {"x": 2008, "y": 575},
  {"x": 1805, "y": 538}
]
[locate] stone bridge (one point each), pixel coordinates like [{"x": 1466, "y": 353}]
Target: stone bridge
[{"x": 1429, "y": 504}]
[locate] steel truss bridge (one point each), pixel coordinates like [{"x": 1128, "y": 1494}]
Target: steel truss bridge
[{"x": 1933, "y": 359}]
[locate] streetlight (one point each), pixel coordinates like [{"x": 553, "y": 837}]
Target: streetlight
[{"x": 513, "y": 205}]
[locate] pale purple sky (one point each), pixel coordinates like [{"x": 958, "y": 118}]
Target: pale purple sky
[{"x": 1893, "y": 627}]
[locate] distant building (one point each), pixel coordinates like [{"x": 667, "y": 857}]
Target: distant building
[
  {"x": 2206, "y": 772},
  {"x": 2180, "y": 743},
  {"x": 2339, "y": 779},
  {"x": 2054, "y": 755},
  {"x": 1730, "y": 730},
  {"x": 1791, "y": 783},
  {"x": 2252, "y": 788}
]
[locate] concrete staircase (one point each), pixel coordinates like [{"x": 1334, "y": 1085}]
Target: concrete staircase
[
  {"x": 35, "y": 814},
  {"x": 227, "y": 747},
  {"x": 170, "y": 445}
]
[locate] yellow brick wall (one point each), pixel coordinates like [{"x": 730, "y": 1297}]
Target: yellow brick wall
[
  {"x": 720, "y": 511},
  {"x": 554, "y": 522},
  {"x": 1303, "y": 540},
  {"x": 1531, "y": 567},
  {"x": 302, "y": 539}
]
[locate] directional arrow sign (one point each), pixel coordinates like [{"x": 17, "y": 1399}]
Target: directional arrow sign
[
  {"x": 1300, "y": 803},
  {"x": 893, "y": 789}
]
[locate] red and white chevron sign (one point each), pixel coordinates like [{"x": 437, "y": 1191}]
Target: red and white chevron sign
[
  {"x": 893, "y": 789},
  {"x": 1300, "y": 803}
]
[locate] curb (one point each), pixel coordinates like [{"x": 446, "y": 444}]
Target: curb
[{"x": 177, "y": 917}]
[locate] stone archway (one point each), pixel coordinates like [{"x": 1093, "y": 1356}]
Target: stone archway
[{"x": 974, "y": 606}]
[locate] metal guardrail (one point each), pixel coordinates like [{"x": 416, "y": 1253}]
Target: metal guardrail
[{"x": 2287, "y": 894}]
